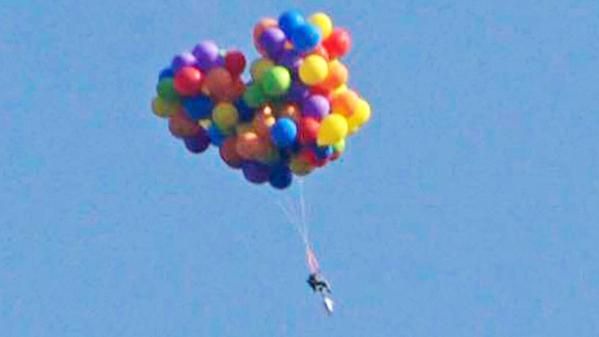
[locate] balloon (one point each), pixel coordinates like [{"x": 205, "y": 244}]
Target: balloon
[
  {"x": 313, "y": 70},
  {"x": 225, "y": 116},
  {"x": 315, "y": 106},
  {"x": 345, "y": 103},
  {"x": 297, "y": 92},
  {"x": 250, "y": 146},
  {"x": 253, "y": 96},
  {"x": 216, "y": 136},
  {"x": 308, "y": 155},
  {"x": 185, "y": 59},
  {"x": 323, "y": 152},
  {"x": 218, "y": 81},
  {"x": 181, "y": 126},
  {"x": 228, "y": 152},
  {"x": 245, "y": 112},
  {"x": 308, "y": 130},
  {"x": 162, "y": 108},
  {"x": 333, "y": 128},
  {"x": 259, "y": 67},
  {"x": 337, "y": 76},
  {"x": 206, "y": 54},
  {"x": 259, "y": 29},
  {"x": 305, "y": 37},
  {"x": 166, "y": 72},
  {"x": 323, "y": 22},
  {"x": 299, "y": 166},
  {"x": 360, "y": 116},
  {"x": 338, "y": 43},
  {"x": 283, "y": 132},
  {"x": 338, "y": 149},
  {"x": 290, "y": 59},
  {"x": 255, "y": 172},
  {"x": 235, "y": 62},
  {"x": 272, "y": 41},
  {"x": 276, "y": 81},
  {"x": 188, "y": 81},
  {"x": 280, "y": 177},
  {"x": 166, "y": 90},
  {"x": 198, "y": 142},
  {"x": 198, "y": 107},
  {"x": 263, "y": 121},
  {"x": 290, "y": 21}
]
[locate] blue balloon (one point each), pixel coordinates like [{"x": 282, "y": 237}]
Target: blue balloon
[
  {"x": 246, "y": 113},
  {"x": 283, "y": 132},
  {"x": 216, "y": 136},
  {"x": 305, "y": 38},
  {"x": 323, "y": 152},
  {"x": 198, "y": 107},
  {"x": 166, "y": 73},
  {"x": 280, "y": 177},
  {"x": 289, "y": 21}
]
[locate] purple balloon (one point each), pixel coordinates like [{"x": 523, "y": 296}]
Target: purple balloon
[
  {"x": 183, "y": 60},
  {"x": 197, "y": 143},
  {"x": 290, "y": 59},
  {"x": 207, "y": 54},
  {"x": 298, "y": 92},
  {"x": 273, "y": 41},
  {"x": 316, "y": 106},
  {"x": 255, "y": 172}
]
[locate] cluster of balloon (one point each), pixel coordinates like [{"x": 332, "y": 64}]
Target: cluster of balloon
[{"x": 293, "y": 116}]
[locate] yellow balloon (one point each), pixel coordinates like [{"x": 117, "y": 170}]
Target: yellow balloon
[
  {"x": 313, "y": 70},
  {"x": 259, "y": 67},
  {"x": 162, "y": 108},
  {"x": 225, "y": 116},
  {"x": 333, "y": 129},
  {"x": 323, "y": 22},
  {"x": 360, "y": 116},
  {"x": 300, "y": 167}
]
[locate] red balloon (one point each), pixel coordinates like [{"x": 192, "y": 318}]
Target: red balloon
[
  {"x": 338, "y": 43},
  {"x": 310, "y": 157},
  {"x": 308, "y": 130},
  {"x": 188, "y": 81},
  {"x": 235, "y": 62}
]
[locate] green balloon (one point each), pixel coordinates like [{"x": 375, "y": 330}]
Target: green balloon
[
  {"x": 166, "y": 90},
  {"x": 276, "y": 81},
  {"x": 253, "y": 96}
]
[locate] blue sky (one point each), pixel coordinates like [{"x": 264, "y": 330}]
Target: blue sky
[{"x": 467, "y": 207}]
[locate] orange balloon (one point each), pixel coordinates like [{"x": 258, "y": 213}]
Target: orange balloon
[
  {"x": 218, "y": 81},
  {"x": 345, "y": 102},
  {"x": 231, "y": 92},
  {"x": 250, "y": 145},
  {"x": 259, "y": 28},
  {"x": 263, "y": 121},
  {"x": 338, "y": 76},
  {"x": 228, "y": 152}
]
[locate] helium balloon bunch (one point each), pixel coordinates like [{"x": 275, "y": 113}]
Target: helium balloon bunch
[
  {"x": 198, "y": 93},
  {"x": 291, "y": 117}
]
